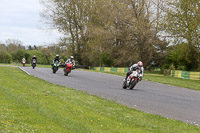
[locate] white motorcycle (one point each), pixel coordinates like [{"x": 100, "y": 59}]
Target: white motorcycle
[{"x": 132, "y": 80}]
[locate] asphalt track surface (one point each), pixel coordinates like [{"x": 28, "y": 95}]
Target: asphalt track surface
[{"x": 165, "y": 100}]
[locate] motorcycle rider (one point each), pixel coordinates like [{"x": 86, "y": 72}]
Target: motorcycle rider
[
  {"x": 56, "y": 59},
  {"x": 71, "y": 60},
  {"x": 138, "y": 66},
  {"x": 34, "y": 57},
  {"x": 23, "y": 60}
]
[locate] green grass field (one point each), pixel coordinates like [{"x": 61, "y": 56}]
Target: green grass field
[
  {"x": 160, "y": 78},
  {"x": 30, "y": 104}
]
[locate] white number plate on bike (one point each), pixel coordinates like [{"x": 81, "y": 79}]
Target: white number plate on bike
[{"x": 134, "y": 74}]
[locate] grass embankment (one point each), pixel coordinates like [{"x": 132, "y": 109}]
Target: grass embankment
[
  {"x": 160, "y": 78},
  {"x": 30, "y": 104}
]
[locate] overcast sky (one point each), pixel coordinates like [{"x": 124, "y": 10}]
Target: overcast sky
[{"x": 20, "y": 19}]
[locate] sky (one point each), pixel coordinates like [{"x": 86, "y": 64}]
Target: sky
[{"x": 20, "y": 19}]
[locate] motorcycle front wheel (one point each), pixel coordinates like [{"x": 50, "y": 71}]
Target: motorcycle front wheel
[
  {"x": 124, "y": 85},
  {"x": 54, "y": 69},
  {"x": 33, "y": 65},
  {"x": 66, "y": 72},
  {"x": 132, "y": 85}
]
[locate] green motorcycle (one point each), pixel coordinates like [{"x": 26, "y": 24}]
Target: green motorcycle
[{"x": 55, "y": 66}]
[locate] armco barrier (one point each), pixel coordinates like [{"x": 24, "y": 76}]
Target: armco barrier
[
  {"x": 111, "y": 69},
  {"x": 185, "y": 74}
]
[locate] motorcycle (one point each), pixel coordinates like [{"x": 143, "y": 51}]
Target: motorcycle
[
  {"x": 55, "y": 66},
  {"x": 67, "y": 68},
  {"x": 132, "y": 80},
  {"x": 23, "y": 63},
  {"x": 34, "y": 63}
]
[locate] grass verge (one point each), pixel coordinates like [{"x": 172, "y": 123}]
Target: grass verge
[
  {"x": 185, "y": 83},
  {"x": 27, "y": 65},
  {"x": 30, "y": 104}
]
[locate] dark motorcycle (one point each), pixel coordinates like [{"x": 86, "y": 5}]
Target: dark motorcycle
[
  {"x": 55, "y": 66},
  {"x": 67, "y": 68},
  {"x": 132, "y": 80},
  {"x": 34, "y": 63}
]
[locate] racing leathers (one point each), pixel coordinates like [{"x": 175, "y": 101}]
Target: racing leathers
[
  {"x": 23, "y": 60},
  {"x": 70, "y": 61},
  {"x": 56, "y": 59},
  {"x": 33, "y": 59},
  {"x": 133, "y": 67}
]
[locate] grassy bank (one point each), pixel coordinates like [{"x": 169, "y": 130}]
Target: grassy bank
[
  {"x": 160, "y": 78},
  {"x": 29, "y": 104},
  {"x": 186, "y": 83}
]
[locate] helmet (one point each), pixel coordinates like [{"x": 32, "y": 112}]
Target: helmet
[
  {"x": 34, "y": 56},
  {"x": 72, "y": 57},
  {"x": 57, "y": 55},
  {"x": 140, "y": 64}
]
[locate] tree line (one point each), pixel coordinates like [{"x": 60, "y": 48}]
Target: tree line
[
  {"x": 160, "y": 33},
  {"x": 14, "y": 52}
]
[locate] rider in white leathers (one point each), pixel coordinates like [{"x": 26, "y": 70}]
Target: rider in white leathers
[
  {"x": 71, "y": 60},
  {"x": 138, "y": 66}
]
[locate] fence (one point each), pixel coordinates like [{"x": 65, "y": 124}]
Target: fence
[
  {"x": 185, "y": 74},
  {"x": 174, "y": 73},
  {"x": 111, "y": 69}
]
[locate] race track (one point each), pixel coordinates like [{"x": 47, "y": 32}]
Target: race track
[{"x": 165, "y": 100}]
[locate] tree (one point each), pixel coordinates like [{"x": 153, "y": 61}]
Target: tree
[
  {"x": 123, "y": 28},
  {"x": 30, "y": 47},
  {"x": 182, "y": 23},
  {"x": 68, "y": 16},
  {"x": 14, "y": 45},
  {"x": 18, "y": 55},
  {"x": 35, "y": 47},
  {"x": 2, "y": 47},
  {"x": 5, "y": 57},
  {"x": 182, "y": 57}
]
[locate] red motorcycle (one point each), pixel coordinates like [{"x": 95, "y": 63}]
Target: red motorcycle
[{"x": 68, "y": 68}]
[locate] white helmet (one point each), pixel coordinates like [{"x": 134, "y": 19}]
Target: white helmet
[
  {"x": 140, "y": 64},
  {"x": 72, "y": 57}
]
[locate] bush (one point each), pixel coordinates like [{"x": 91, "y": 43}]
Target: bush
[
  {"x": 172, "y": 67},
  {"x": 167, "y": 72},
  {"x": 182, "y": 56},
  {"x": 42, "y": 58},
  {"x": 18, "y": 55},
  {"x": 5, "y": 57},
  {"x": 106, "y": 59}
]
